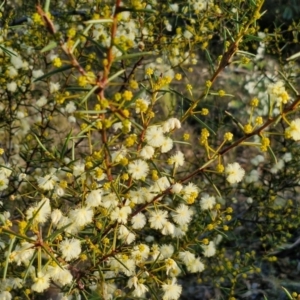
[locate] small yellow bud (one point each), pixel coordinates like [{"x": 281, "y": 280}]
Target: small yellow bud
[
  {"x": 221, "y": 93},
  {"x": 254, "y": 102},
  {"x": 220, "y": 168},
  {"x": 189, "y": 87},
  {"x": 154, "y": 175},
  {"x": 125, "y": 176},
  {"x": 204, "y": 111},
  {"x": 228, "y": 136},
  {"x": 210, "y": 227},
  {"x": 89, "y": 165},
  {"x": 248, "y": 128},
  {"x": 205, "y": 241},
  {"x": 186, "y": 137},
  {"x": 245, "y": 60},
  {"x": 127, "y": 95},
  {"x": 178, "y": 76},
  {"x": 71, "y": 32},
  {"x": 133, "y": 84},
  {"x": 57, "y": 62},
  {"x": 259, "y": 121},
  {"x": 149, "y": 71},
  {"x": 208, "y": 83},
  {"x": 229, "y": 210}
]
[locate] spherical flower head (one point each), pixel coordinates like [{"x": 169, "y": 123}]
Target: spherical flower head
[
  {"x": 177, "y": 159},
  {"x": 160, "y": 184},
  {"x": 171, "y": 124},
  {"x": 12, "y": 86},
  {"x": 41, "y": 282},
  {"x": 94, "y": 198},
  {"x": 70, "y": 248},
  {"x": 56, "y": 216},
  {"x": 176, "y": 188},
  {"x": 120, "y": 214},
  {"x": 70, "y": 107},
  {"x": 122, "y": 264},
  {"x": 168, "y": 228},
  {"x": 207, "y": 202},
  {"x": 59, "y": 274},
  {"x": 139, "y": 288},
  {"x": 277, "y": 167},
  {"x": 141, "y": 105},
  {"x": 195, "y": 266},
  {"x": 47, "y": 182},
  {"x": 186, "y": 257},
  {"x": 140, "y": 252},
  {"x": 166, "y": 251},
  {"x": 81, "y": 216},
  {"x": 170, "y": 265},
  {"x": 167, "y": 145},
  {"x": 138, "y": 169},
  {"x": 154, "y": 136},
  {"x": 78, "y": 169},
  {"x": 39, "y": 212},
  {"x": 158, "y": 218},
  {"x": 5, "y": 295},
  {"x": 209, "y": 250},
  {"x": 125, "y": 235},
  {"x": 138, "y": 221},
  {"x": 54, "y": 87},
  {"x": 147, "y": 152},
  {"x": 293, "y": 131},
  {"x": 190, "y": 190},
  {"x": 3, "y": 182},
  {"x": 172, "y": 291},
  {"x": 278, "y": 93},
  {"x": 182, "y": 215},
  {"x": 22, "y": 254},
  {"x": 234, "y": 172}
]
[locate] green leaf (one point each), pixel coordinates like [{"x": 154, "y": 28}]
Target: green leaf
[
  {"x": 98, "y": 45},
  {"x": 294, "y": 56},
  {"x": 77, "y": 89},
  {"x": 8, "y": 52},
  {"x": 86, "y": 30},
  {"x": 250, "y": 38},
  {"x": 50, "y": 46},
  {"x": 287, "y": 293},
  {"x": 204, "y": 124},
  {"x": 115, "y": 75},
  {"x": 245, "y": 53},
  {"x": 208, "y": 57},
  {"x": 46, "y": 6},
  {"x": 51, "y": 255},
  {"x": 91, "y": 112},
  {"x": 145, "y": 10},
  {"x": 1, "y": 5},
  {"x": 58, "y": 70},
  {"x": 99, "y": 21},
  {"x": 40, "y": 143},
  {"x": 212, "y": 184},
  {"x": 11, "y": 244},
  {"x": 133, "y": 55},
  {"x": 182, "y": 97},
  {"x": 91, "y": 91},
  {"x": 53, "y": 236},
  {"x": 65, "y": 145},
  {"x": 273, "y": 156}
]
